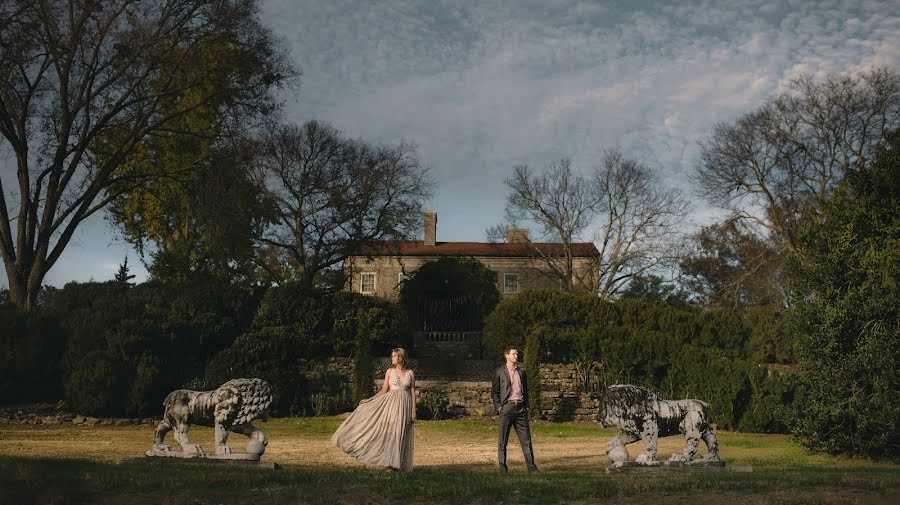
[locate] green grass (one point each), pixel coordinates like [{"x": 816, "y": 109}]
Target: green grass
[{"x": 40, "y": 465}]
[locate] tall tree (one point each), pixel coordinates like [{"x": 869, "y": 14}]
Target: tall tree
[
  {"x": 83, "y": 83},
  {"x": 641, "y": 221},
  {"x": 561, "y": 205},
  {"x": 775, "y": 166},
  {"x": 334, "y": 195},
  {"x": 845, "y": 290},
  {"x": 200, "y": 215},
  {"x": 620, "y": 205},
  {"x": 728, "y": 266}
]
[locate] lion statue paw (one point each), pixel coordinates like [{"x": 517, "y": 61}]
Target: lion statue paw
[
  {"x": 162, "y": 447},
  {"x": 644, "y": 459},
  {"x": 223, "y": 449}
]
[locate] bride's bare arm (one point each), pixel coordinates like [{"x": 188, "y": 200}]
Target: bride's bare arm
[
  {"x": 383, "y": 390},
  {"x": 412, "y": 392}
]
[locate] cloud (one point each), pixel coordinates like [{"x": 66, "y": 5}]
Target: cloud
[{"x": 482, "y": 86}]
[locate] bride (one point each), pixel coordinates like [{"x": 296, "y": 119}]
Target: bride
[{"x": 380, "y": 430}]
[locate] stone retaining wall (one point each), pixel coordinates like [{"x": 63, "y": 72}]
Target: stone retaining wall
[{"x": 561, "y": 395}]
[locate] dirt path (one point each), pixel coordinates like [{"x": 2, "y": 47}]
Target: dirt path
[{"x": 474, "y": 448}]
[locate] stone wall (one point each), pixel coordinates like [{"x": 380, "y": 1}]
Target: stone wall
[
  {"x": 562, "y": 398},
  {"x": 328, "y": 374},
  {"x": 466, "y": 398}
]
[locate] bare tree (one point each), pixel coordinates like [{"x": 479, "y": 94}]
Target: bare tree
[
  {"x": 728, "y": 267},
  {"x": 333, "y": 195},
  {"x": 631, "y": 219},
  {"x": 83, "y": 82},
  {"x": 640, "y": 222},
  {"x": 773, "y": 167},
  {"x": 561, "y": 205}
]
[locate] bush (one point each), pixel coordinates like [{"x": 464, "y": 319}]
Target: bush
[
  {"x": 771, "y": 405},
  {"x": 685, "y": 353},
  {"x": 532, "y": 366},
  {"x": 344, "y": 323},
  {"x": 98, "y": 385},
  {"x": 271, "y": 354},
  {"x": 465, "y": 279},
  {"x": 845, "y": 289},
  {"x": 161, "y": 335},
  {"x": 31, "y": 345},
  {"x": 324, "y": 404},
  {"x": 382, "y": 322},
  {"x": 561, "y": 318},
  {"x": 434, "y": 406}
]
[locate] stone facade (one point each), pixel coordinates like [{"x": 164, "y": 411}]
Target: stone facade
[
  {"x": 390, "y": 262},
  {"x": 391, "y": 270}
]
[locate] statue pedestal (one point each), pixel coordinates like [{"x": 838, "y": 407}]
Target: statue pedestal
[
  {"x": 235, "y": 456},
  {"x": 204, "y": 460},
  {"x": 674, "y": 466}
]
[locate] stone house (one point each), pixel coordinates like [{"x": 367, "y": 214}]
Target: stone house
[
  {"x": 519, "y": 263},
  {"x": 439, "y": 329}
]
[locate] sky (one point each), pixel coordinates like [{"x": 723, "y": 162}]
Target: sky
[{"x": 482, "y": 86}]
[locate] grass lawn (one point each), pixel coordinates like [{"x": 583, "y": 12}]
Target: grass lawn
[{"x": 455, "y": 463}]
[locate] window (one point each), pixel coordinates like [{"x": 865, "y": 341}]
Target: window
[
  {"x": 510, "y": 283},
  {"x": 367, "y": 282}
]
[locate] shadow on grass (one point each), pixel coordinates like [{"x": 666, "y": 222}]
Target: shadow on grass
[{"x": 25, "y": 480}]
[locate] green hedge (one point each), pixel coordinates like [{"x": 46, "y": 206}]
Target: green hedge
[
  {"x": 128, "y": 346},
  {"x": 31, "y": 345},
  {"x": 845, "y": 289},
  {"x": 718, "y": 355},
  {"x": 294, "y": 323}
]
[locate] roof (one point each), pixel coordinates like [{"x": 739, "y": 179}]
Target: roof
[{"x": 418, "y": 248}]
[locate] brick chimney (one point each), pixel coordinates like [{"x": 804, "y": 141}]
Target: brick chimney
[
  {"x": 517, "y": 235},
  {"x": 430, "y": 228}
]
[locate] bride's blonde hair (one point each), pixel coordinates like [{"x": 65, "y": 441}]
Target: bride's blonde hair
[{"x": 401, "y": 356}]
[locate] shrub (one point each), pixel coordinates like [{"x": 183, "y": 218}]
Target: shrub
[
  {"x": 465, "y": 279},
  {"x": 98, "y": 385},
  {"x": 271, "y": 354},
  {"x": 163, "y": 334},
  {"x": 31, "y": 345},
  {"x": 771, "y": 405},
  {"x": 561, "y": 318},
  {"x": 532, "y": 366},
  {"x": 710, "y": 355},
  {"x": 324, "y": 404},
  {"x": 845, "y": 291},
  {"x": 435, "y": 405}
]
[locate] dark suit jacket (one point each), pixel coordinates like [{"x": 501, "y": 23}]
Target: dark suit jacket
[{"x": 501, "y": 387}]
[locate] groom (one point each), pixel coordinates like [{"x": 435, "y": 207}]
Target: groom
[{"x": 509, "y": 392}]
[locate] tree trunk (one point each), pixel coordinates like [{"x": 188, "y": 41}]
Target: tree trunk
[{"x": 19, "y": 293}]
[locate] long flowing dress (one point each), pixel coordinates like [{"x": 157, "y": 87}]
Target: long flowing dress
[{"x": 380, "y": 431}]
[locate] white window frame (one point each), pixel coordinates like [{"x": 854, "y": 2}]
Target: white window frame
[
  {"x": 402, "y": 276},
  {"x": 362, "y": 283},
  {"x": 506, "y": 290}
]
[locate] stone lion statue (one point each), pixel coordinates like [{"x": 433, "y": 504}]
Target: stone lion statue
[
  {"x": 639, "y": 414},
  {"x": 229, "y": 408}
]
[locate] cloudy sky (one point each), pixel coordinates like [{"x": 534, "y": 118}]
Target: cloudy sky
[{"x": 481, "y": 86}]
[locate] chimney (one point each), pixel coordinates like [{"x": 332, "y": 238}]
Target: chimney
[
  {"x": 517, "y": 235},
  {"x": 430, "y": 228}
]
